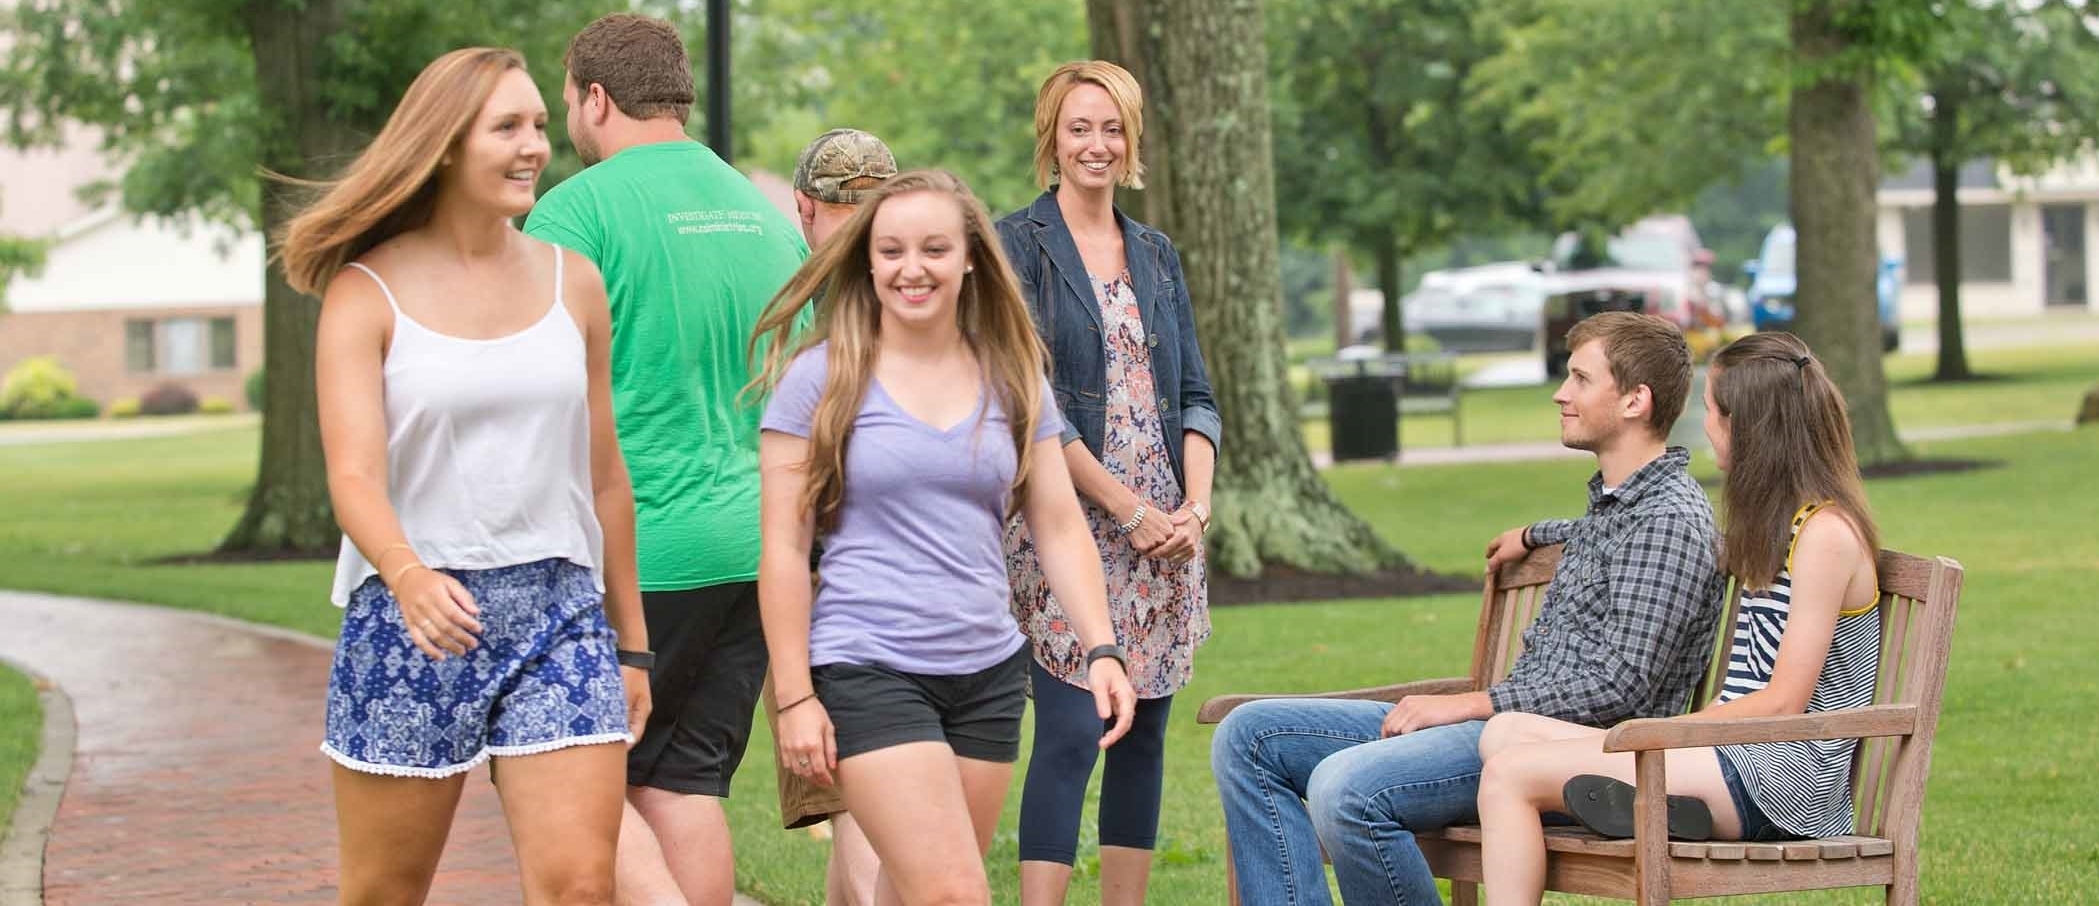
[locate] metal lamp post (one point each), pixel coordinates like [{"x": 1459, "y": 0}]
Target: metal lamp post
[{"x": 718, "y": 77}]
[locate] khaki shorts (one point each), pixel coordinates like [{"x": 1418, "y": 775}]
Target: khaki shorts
[{"x": 802, "y": 803}]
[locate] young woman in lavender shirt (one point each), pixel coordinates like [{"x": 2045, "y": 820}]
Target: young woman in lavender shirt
[{"x": 908, "y": 420}]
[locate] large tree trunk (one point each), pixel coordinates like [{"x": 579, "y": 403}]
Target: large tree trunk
[
  {"x": 1946, "y": 243},
  {"x": 1212, "y": 188},
  {"x": 288, "y": 508},
  {"x": 1390, "y": 261},
  {"x": 1835, "y": 170}
]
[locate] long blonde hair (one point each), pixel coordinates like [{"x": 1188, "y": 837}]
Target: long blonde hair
[
  {"x": 391, "y": 187},
  {"x": 840, "y": 278}
]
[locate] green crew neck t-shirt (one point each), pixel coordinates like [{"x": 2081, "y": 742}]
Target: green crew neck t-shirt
[{"x": 691, "y": 252}]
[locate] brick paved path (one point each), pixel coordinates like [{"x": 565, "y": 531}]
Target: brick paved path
[{"x": 195, "y": 776}]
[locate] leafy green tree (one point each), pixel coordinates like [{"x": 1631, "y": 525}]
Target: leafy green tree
[
  {"x": 1374, "y": 143},
  {"x": 2013, "y": 83},
  {"x": 945, "y": 83},
  {"x": 199, "y": 97},
  {"x": 1203, "y": 64},
  {"x": 1842, "y": 49},
  {"x": 1639, "y": 107},
  {"x": 1636, "y": 107},
  {"x": 17, "y": 256}
]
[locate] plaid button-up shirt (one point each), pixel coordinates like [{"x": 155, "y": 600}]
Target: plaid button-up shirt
[{"x": 1628, "y": 621}]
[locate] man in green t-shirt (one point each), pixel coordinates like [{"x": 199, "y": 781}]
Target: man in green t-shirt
[{"x": 691, "y": 253}]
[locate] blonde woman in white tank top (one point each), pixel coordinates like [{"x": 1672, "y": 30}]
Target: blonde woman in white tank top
[
  {"x": 487, "y": 571},
  {"x": 1802, "y": 544}
]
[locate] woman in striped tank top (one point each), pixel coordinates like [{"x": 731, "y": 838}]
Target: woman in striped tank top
[{"x": 1802, "y": 545}]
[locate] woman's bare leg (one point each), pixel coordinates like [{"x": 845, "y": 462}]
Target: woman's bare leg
[
  {"x": 392, "y": 831},
  {"x": 920, "y": 807},
  {"x": 1522, "y": 782},
  {"x": 564, "y": 810}
]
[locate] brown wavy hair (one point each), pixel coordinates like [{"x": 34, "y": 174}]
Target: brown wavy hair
[
  {"x": 840, "y": 278},
  {"x": 391, "y": 187},
  {"x": 1789, "y": 444}
]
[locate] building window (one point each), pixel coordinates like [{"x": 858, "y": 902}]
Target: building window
[
  {"x": 224, "y": 353},
  {"x": 181, "y": 346},
  {"x": 1986, "y": 244},
  {"x": 138, "y": 346}
]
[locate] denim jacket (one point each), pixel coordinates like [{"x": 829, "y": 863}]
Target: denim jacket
[{"x": 1068, "y": 316}]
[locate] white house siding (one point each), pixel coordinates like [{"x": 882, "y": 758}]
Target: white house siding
[{"x": 2025, "y": 294}]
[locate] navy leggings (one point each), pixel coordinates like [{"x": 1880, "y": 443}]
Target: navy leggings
[{"x": 1067, "y": 738}]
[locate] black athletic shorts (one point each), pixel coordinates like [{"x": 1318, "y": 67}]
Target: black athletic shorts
[
  {"x": 976, "y": 714},
  {"x": 710, "y": 664}
]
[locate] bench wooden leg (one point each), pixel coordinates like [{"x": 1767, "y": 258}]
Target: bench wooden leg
[
  {"x": 1231, "y": 877},
  {"x": 1904, "y": 891},
  {"x": 1464, "y": 893}
]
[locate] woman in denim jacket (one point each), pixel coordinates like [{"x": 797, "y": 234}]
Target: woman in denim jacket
[{"x": 1110, "y": 301}]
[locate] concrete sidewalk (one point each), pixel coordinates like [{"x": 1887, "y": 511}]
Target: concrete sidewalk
[{"x": 194, "y": 775}]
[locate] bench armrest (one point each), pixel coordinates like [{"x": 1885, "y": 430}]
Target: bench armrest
[
  {"x": 1647, "y": 734},
  {"x": 1216, "y": 708}
]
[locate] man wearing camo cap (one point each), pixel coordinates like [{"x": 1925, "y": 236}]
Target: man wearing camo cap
[{"x": 834, "y": 174}]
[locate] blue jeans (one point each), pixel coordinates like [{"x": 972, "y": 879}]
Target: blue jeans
[{"x": 1299, "y": 774}]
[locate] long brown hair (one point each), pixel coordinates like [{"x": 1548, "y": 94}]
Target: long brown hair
[
  {"x": 840, "y": 278},
  {"x": 1789, "y": 444},
  {"x": 391, "y": 187}
]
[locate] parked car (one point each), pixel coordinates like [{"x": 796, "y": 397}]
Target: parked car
[
  {"x": 1773, "y": 282},
  {"x": 1500, "y": 316}
]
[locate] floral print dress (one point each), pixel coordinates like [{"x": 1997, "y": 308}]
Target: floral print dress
[{"x": 1161, "y": 611}]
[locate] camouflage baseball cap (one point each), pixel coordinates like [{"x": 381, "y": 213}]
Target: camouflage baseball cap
[{"x": 838, "y": 157}]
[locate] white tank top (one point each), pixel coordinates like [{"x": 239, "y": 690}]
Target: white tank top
[{"x": 487, "y": 447}]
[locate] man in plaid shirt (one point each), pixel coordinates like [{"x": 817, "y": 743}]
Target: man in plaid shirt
[{"x": 1624, "y": 632}]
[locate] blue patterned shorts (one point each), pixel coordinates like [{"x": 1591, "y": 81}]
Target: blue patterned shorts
[{"x": 544, "y": 676}]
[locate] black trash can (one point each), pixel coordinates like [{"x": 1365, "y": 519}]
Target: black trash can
[{"x": 1363, "y": 409}]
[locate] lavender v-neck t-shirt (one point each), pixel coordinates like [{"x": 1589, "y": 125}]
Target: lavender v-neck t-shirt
[{"x": 914, "y": 574}]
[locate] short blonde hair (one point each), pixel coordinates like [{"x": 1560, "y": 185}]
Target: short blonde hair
[{"x": 1122, "y": 88}]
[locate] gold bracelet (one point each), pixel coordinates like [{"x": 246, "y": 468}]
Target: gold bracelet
[
  {"x": 404, "y": 570},
  {"x": 398, "y": 545}
]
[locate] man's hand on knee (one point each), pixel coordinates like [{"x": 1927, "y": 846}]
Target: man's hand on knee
[{"x": 1420, "y": 712}]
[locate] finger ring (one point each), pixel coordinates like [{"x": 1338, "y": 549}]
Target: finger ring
[
  {"x": 803, "y": 762},
  {"x": 426, "y": 624}
]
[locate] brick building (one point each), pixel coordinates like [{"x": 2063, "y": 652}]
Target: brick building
[
  {"x": 129, "y": 304},
  {"x": 125, "y": 303}
]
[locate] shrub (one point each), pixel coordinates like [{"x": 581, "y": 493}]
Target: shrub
[
  {"x": 77, "y": 407},
  {"x": 168, "y": 399},
  {"x": 124, "y": 408},
  {"x": 38, "y": 384},
  {"x": 255, "y": 389},
  {"x": 215, "y": 405}
]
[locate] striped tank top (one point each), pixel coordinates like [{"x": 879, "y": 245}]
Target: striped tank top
[{"x": 1803, "y": 787}]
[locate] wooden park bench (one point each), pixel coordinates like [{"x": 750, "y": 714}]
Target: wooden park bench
[
  {"x": 1431, "y": 385},
  {"x": 1917, "y": 605}
]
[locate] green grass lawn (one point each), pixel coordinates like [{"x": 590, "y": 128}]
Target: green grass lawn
[
  {"x": 21, "y": 727},
  {"x": 2019, "y": 385},
  {"x": 2009, "y": 816}
]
